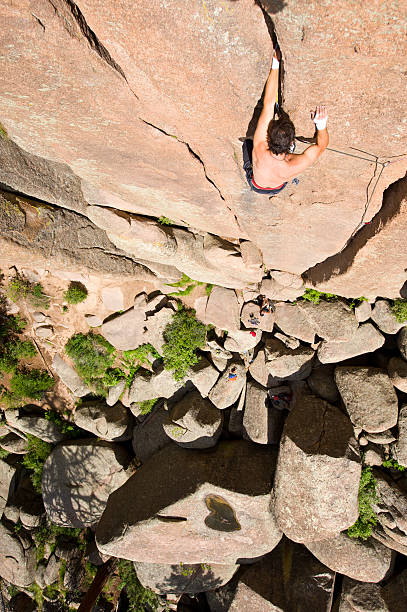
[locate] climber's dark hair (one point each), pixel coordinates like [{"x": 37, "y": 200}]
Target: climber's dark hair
[{"x": 280, "y": 134}]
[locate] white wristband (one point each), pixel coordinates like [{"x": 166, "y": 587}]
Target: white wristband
[
  {"x": 275, "y": 64},
  {"x": 321, "y": 123}
]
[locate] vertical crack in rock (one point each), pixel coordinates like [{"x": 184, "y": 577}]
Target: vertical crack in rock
[{"x": 273, "y": 36}]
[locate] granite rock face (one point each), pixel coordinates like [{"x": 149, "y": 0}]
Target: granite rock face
[
  {"x": 17, "y": 557},
  {"x": 210, "y": 506}
]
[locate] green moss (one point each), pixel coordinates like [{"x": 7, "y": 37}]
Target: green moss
[
  {"x": 183, "y": 336},
  {"x": 314, "y": 296},
  {"x": 34, "y": 459},
  {"x": 12, "y": 350},
  {"x": 3, "y": 132},
  {"x": 75, "y": 293},
  {"x": 399, "y": 310},
  {"x": 31, "y": 384},
  {"x": 367, "y": 497}
]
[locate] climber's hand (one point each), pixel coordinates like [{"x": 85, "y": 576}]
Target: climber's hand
[{"x": 320, "y": 117}]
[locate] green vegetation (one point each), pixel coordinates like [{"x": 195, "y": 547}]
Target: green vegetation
[
  {"x": 399, "y": 309},
  {"x": 312, "y": 295},
  {"x": 21, "y": 288},
  {"x": 75, "y": 293},
  {"x": 187, "y": 285},
  {"x": 139, "y": 597},
  {"x": 3, "y": 131},
  {"x": 31, "y": 384},
  {"x": 112, "y": 376},
  {"x": 3, "y": 453},
  {"x": 138, "y": 358},
  {"x": 34, "y": 460},
  {"x": 357, "y": 301},
  {"x": 147, "y": 406},
  {"x": 92, "y": 354},
  {"x": 392, "y": 464},
  {"x": 209, "y": 288},
  {"x": 12, "y": 350},
  {"x": 50, "y": 534},
  {"x": 184, "y": 335},
  {"x": 367, "y": 497},
  {"x": 165, "y": 221},
  {"x": 70, "y": 429}
]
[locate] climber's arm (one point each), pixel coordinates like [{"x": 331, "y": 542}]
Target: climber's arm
[
  {"x": 298, "y": 163},
  {"x": 270, "y": 96}
]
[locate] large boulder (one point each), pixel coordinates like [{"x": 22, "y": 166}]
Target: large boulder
[
  {"x": 155, "y": 328},
  {"x": 126, "y": 331},
  {"x": 106, "y": 422},
  {"x": 277, "y": 362},
  {"x": 257, "y": 417},
  {"x": 282, "y": 286},
  {"x": 229, "y": 386},
  {"x": 203, "y": 376},
  {"x": 223, "y": 310},
  {"x": 359, "y": 596},
  {"x": 6, "y": 476},
  {"x": 242, "y": 340},
  {"x": 367, "y": 561},
  {"x": 78, "y": 477},
  {"x": 29, "y": 420},
  {"x": 211, "y": 506},
  {"x": 292, "y": 321},
  {"x": 333, "y": 321},
  {"x": 322, "y": 383},
  {"x": 183, "y": 577},
  {"x": 384, "y": 317},
  {"x": 149, "y": 386},
  {"x": 17, "y": 557},
  {"x": 194, "y": 422},
  {"x": 369, "y": 397},
  {"x": 397, "y": 369},
  {"x": 318, "y": 472},
  {"x": 69, "y": 376},
  {"x": 366, "y": 339},
  {"x": 149, "y": 435}
]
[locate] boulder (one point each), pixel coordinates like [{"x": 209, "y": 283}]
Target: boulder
[
  {"x": 146, "y": 386},
  {"x": 69, "y": 377},
  {"x": 93, "y": 320},
  {"x": 369, "y": 397},
  {"x": 51, "y": 573},
  {"x": 333, "y": 321},
  {"x": 155, "y": 328},
  {"x": 242, "y": 340},
  {"x": 394, "y": 592},
  {"x": 322, "y": 383},
  {"x": 276, "y": 362},
  {"x": 284, "y": 288},
  {"x": 318, "y": 472},
  {"x": 44, "y": 331},
  {"x": 250, "y": 315},
  {"x": 6, "y": 477},
  {"x": 391, "y": 511},
  {"x": 384, "y": 318},
  {"x": 203, "y": 376},
  {"x": 363, "y": 312},
  {"x": 402, "y": 342},
  {"x": 78, "y": 477},
  {"x": 106, "y": 422},
  {"x": 287, "y": 579},
  {"x": 17, "y": 558},
  {"x": 183, "y": 577},
  {"x": 211, "y": 506},
  {"x": 365, "y": 340},
  {"x": 113, "y": 298},
  {"x": 401, "y": 445},
  {"x": 289, "y": 341},
  {"x": 25, "y": 504},
  {"x": 149, "y": 436},
  {"x": 361, "y": 597},
  {"x": 126, "y": 331},
  {"x": 367, "y": 561},
  {"x": 15, "y": 444},
  {"x": 29, "y": 421},
  {"x": 384, "y": 437},
  {"x": 257, "y": 420},
  {"x": 397, "y": 369},
  {"x": 115, "y": 392},
  {"x": 292, "y": 321},
  {"x": 194, "y": 422},
  {"x": 222, "y": 309},
  {"x": 229, "y": 386}
]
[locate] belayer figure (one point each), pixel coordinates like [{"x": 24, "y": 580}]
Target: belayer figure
[{"x": 269, "y": 159}]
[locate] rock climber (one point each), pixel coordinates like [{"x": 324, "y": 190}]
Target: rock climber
[{"x": 269, "y": 160}]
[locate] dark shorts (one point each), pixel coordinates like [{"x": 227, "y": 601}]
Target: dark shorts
[{"x": 248, "y": 168}]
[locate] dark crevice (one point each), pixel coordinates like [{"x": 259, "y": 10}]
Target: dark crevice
[
  {"x": 38, "y": 20},
  {"x": 340, "y": 262}
]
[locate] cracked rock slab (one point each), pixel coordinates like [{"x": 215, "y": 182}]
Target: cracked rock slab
[
  {"x": 229, "y": 386},
  {"x": 126, "y": 331},
  {"x": 366, "y": 339},
  {"x": 369, "y": 397},
  {"x": 223, "y": 310},
  {"x": 277, "y": 362},
  {"x": 17, "y": 558},
  {"x": 318, "y": 472},
  {"x": 293, "y": 322},
  {"x": 333, "y": 321},
  {"x": 69, "y": 377}
]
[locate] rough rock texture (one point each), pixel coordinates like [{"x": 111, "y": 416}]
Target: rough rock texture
[
  {"x": 25, "y": 504},
  {"x": 222, "y": 309},
  {"x": 318, "y": 472},
  {"x": 34, "y": 424},
  {"x": 402, "y": 342},
  {"x": 276, "y": 362},
  {"x": 126, "y": 331},
  {"x": 106, "y": 422},
  {"x": 322, "y": 383},
  {"x": 365, "y": 340},
  {"x": 369, "y": 397},
  {"x": 195, "y": 512},
  {"x": 397, "y": 369},
  {"x": 384, "y": 318},
  {"x": 367, "y": 561},
  {"x": 333, "y": 321},
  {"x": 149, "y": 436},
  {"x": 287, "y": 289},
  {"x": 401, "y": 446},
  {"x": 363, "y": 312},
  {"x": 6, "y": 476},
  {"x": 257, "y": 421},
  {"x": 391, "y": 512},
  {"x": 194, "y": 422},
  {"x": 229, "y": 386},
  {"x": 17, "y": 557},
  {"x": 69, "y": 377},
  {"x": 287, "y": 579},
  {"x": 183, "y": 578},
  {"x": 292, "y": 321},
  {"x": 242, "y": 340},
  {"x": 77, "y": 479},
  {"x": 203, "y": 376},
  {"x": 14, "y": 443},
  {"x": 146, "y": 387},
  {"x": 361, "y": 597}
]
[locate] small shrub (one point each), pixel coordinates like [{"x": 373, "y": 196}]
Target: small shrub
[
  {"x": 357, "y": 301},
  {"x": 140, "y": 598},
  {"x": 392, "y": 464},
  {"x": 92, "y": 355},
  {"x": 34, "y": 459},
  {"x": 138, "y": 358},
  {"x": 12, "y": 351},
  {"x": 367, "y": 497},
  {"x": 3, "y": 453},
  {"x": 21, "y": 288},
  {"x": 112, "y": 376},
  {"x": 75, "y": 293},
  {"x": 312, "y": 295},
  {"x": 31, "y": 383},
  {"x": 399, "y": 309},
  {"x": 184, "y": 335},
  {"x": 209, "y": 288},
  {"x": 147, "y": 406},
  {"x": 70, "y": 429},
  {"x": 165, "y": 221}
]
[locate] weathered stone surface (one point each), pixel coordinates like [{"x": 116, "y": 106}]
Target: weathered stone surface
[
  {"x": 183, "y": 578},
  {"x": 155, "y": 327},
  {"x": 276, "y": 361},
  {"x": 69, "y": 377},
  {"x": 292, "y": 321},
  {"x": 203, "y": 376},
  {"x": 44, "y": 332},
  {"x": 250, "y": 315},
  {"x": 28, "y": 422},
  {"x": 17, "y": 558},
  {"x": 391, "y": 510},
  {"x": 361, "y": 597},
  {"x": 369, "y": 397},
  {"x": 242, "y": 340},
  {"x": 6, "y": 476},
  {"x": 126, "y": 331},
  {"x": 282, "y": 286},
  {"x": 93, "y": 320},
  {"x": 115, "y": 392},
  {"x": 106, "y": 422},
  {"x": 25, "y": 504},
  {"x": 291, "y": 343},
  {"x": 229, "y": 386},
  {"x": 333, "y": 321},
  {"x": 113, "y": 298},
  {"x": 257, "y": 422},
  {"x": 149, "y": 436},
  {"x": 374, "y": 456},
  {"x": 397, "y": 369},
  {"x": 318, "y": 472},
  {"x": 384, "y": 318},
  {"x": 402, "y": 342},
  {"x": 222, "y": 309},
  {"x": 383, "y": 437},
  {"x": 146, "y": 387},
  {"x": 394, "y": 592},
  {"x": 211, "y": 514},
  {"x": 51, "y": 573},
  {"x": 288, "y": 578},
  {"x": 194, "y": 422},
  {"x": 322, "y": 383},
  {"x": 401, "y": 445},
  {"x": 363, "y": 312},
  {"x": 14, "y": 443},
  {"x": 365, "y": 340},
  {"x": 367, "y": 561},
  {"x": 77, "y": 479}
]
